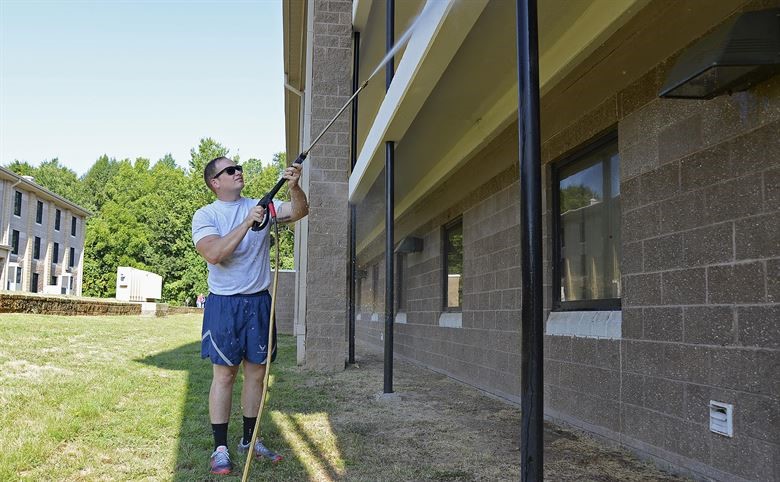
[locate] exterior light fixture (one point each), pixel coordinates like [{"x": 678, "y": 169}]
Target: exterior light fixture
[{"x": 733, "y": 57}]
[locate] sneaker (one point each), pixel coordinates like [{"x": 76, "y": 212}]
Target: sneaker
[
  {"x": 220, "y": 461},
  {"x": 260, "y": 451}
]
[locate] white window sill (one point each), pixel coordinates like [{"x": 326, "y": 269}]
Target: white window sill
[
  {"x": 585, "y": 324},
  {"x": 451, "y": 320}
]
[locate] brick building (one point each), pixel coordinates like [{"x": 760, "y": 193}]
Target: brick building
[
  {"x": 41, "y": 238},
  {"x": 661, "y": 216}
]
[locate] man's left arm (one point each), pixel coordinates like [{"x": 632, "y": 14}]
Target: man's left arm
[{"x": 298, "y": 207}]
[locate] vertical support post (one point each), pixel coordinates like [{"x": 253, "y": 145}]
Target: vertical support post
[
  {"x": 352, "y": 210},
  {"x": 389, "y": 211},
  {"x": 532, "y": 401}
]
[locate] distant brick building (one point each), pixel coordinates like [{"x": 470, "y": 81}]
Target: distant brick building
[{"x": 41, "y": 238}]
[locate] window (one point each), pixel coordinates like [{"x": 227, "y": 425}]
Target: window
[
  {"x": 358, "y": 297},
  {"x": 375, "y": 287},
  {"x": 400, "y": 292},
  {"x": 53, "y": 280},
  {"x": 57, "y": 217},
  {"x": 73, "y": 225},
  {"x": 39, "y": 213},
  {"x": 13, "y": 277},
  {"x": 17, "y": 203},
  {"x": 14, "y": 242},
  {"x": 71, "y": 258},
  {"x": 37, "y": 248},
  {"x": 586, "y": 231},
  {"x": 34, "y": 287},
  {"x": 56, "y": 255},
  {"x": 452, "y": 243}
]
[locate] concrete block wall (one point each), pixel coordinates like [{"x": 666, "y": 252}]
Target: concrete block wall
[
  {"x": 328, "y": 175},
  {"x": 285, "y": 302},
  {"x": 699, "y": 188},
  {"x": 699, "y": 183},
  {"x": 701, "y": 319},
  {"x": 485, "y": 350}
]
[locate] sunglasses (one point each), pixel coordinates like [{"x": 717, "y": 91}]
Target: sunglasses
[{"x": 230, "y": 170}]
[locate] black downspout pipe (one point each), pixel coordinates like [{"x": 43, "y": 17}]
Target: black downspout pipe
[
  {"x": 532, "y": 400},
  {"x": 389, "y": 211},
  {"x": 352, "y": 210}
]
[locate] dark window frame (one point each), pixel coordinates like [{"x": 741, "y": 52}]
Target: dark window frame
[
  {"x": 15, "y": 241},
  {"x": 73, "y": 226},
  {"x": 37, "y": 248},
  {"x": 400, "y": 284},
  {"x": 71, "y": 256},
  {"x": 34, "y": 283},
  {"x": 18, "y": 203},
  {"x": 605, "y": 304},
  {"x": 445, "y": 229},
  {"x": 39, "y": 213},
  {"x": 57, "y": 219},
  {"x": 55, "y": 253}
]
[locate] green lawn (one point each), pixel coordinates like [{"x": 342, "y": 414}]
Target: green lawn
[
  {"x": 125, "y": 398},
  {"x": 120, "y": 398}
]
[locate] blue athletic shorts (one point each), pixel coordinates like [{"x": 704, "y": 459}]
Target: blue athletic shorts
[{"x": 235, "y": 328}]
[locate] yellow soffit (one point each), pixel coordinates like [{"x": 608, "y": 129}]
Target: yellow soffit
[
  {"x": 592, "y": 28},
  {"x": 600, "y": 20}
]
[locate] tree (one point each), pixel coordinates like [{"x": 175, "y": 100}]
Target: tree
[
  {"x": 577, "y": 196},
  {"x": 167, "y": 160},
  {"x": 23, "y": 168},
  {"x": 97, "y": 178},
  {"x": 207, "y": 150}
]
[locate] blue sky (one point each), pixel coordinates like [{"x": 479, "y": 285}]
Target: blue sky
[{"x": 141, "y": 78}]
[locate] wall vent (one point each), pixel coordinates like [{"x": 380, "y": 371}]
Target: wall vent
[{"x": 721, "y": 418}]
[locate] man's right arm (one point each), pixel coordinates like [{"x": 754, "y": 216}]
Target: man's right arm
[{"x": 215, "y": 249}]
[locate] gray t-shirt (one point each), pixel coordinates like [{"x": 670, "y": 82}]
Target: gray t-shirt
[{"x": 248, "y": 269}]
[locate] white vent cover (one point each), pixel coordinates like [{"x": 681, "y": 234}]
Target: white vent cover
[{"x": 721, "y": 418}]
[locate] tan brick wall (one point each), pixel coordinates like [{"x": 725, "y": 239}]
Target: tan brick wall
[{"x": 328, "y": 174}]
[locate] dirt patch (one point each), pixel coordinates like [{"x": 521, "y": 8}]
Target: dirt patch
[{"x": 440, "y": 429}]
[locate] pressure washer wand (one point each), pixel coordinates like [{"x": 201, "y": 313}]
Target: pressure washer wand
[{"x": 268, "y": 199}]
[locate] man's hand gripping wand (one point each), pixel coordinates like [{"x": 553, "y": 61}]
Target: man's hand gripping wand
[{"x": 267, "y": 200}]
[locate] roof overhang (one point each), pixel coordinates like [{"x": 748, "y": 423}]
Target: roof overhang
[
  {"x": 360, "y": 11},
  {"x": 294, "y": 33},
  {"x": 573, "y": 32}
]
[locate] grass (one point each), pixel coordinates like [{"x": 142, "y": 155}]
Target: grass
[
  {"x": 121, "y": 398},
  {"x": 125, "y": 398}
]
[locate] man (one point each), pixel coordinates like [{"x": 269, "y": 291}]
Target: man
[{"x": 236, "y": 317}]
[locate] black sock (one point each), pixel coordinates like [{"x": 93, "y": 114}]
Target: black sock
[
  {"x": 249, "y": 427},
  {"x": 220, "y": 434}
]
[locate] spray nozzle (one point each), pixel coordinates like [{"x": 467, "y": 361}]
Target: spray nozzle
[{"x": 268, "y": 200}]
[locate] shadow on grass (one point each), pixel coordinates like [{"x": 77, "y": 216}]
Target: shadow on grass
[{"x": 290, "y": 399}]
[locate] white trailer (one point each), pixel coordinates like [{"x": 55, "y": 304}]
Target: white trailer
[{"x": 137, "y": 285}]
